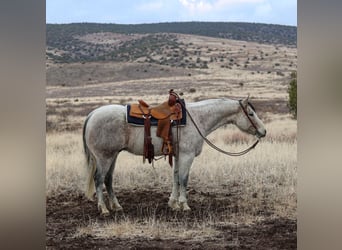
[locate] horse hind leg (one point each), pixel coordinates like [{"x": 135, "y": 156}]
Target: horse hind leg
[
  {"x": 113, "y": 201},
  {"x": 102, "y": 167}
]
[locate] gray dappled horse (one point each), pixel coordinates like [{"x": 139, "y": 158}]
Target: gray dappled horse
[{"x": 106, "y": 133}]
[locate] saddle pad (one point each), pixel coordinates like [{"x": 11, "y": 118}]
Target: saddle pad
[{"x": 154, "y": 121}]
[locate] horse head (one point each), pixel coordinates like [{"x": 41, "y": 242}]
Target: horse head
[{"x": 248, "y": 121}]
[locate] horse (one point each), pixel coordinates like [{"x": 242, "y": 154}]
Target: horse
[{"x": 106, "y": 133}]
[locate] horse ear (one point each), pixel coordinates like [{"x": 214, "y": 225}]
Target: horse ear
[{"x": 245, "y": 101}]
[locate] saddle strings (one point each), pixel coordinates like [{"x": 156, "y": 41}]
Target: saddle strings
[{"x": 213, "y": 145}]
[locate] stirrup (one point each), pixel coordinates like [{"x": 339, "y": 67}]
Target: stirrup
[{"x": 167, "y": 148}]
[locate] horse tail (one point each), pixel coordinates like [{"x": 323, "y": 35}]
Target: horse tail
[{"x": 91, "y": 164}]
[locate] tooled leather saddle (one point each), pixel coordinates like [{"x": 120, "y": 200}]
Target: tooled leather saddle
[{"x": 166, "y": 114}]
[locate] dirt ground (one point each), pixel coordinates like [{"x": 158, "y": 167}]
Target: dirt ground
[{"x": 66, "y": 212}]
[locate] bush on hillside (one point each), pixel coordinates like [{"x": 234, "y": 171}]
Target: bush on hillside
[{"x": 292, "y": 90}]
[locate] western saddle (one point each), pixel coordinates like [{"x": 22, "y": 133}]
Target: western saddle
[{"x": 165, "y": 113}]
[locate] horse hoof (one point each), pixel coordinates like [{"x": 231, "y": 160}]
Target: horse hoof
[
  {"x": 103, "y": 210},
  {"x": 176, "y": 207},
  {"x": 118, "y": 209},
  {"x": 115, "y": 207},
  {"x": 105, "y": 213},
  {"x": 185, "y": 207},
  {"x": 173, "y": 204}
]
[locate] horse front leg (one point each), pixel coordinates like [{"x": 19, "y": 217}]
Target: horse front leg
[
  {"x": 185, "y": 162},
  {"x": 173, "y": 200}
]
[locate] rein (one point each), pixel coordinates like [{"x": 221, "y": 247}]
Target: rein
[{"x": 217, "y": 148}]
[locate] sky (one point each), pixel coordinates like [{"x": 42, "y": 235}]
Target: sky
[{"x": 154, "y": 11}]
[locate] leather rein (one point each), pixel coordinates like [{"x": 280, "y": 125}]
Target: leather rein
[{"x": 219, "y": 149}]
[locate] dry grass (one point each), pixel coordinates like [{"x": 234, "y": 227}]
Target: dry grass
[
  {"x": 150, "y": 228},
  {"x": 65, "y": 163},
  {"x": 266, "y": 180},
  {"x": 270, "y": 169}
]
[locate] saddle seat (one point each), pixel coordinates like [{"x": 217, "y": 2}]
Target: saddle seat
[{"x": 165, "y": 113}]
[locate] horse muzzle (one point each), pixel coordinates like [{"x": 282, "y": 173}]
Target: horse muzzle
[{"x": 260, "y": 134}]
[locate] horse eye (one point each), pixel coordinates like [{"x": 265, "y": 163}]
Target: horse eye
[{"x": 251, "y": 114}]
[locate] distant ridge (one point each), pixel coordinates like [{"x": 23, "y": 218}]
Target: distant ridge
[
  {"x": 256, "y": 32},
  {"x": 66, "y": 42}
]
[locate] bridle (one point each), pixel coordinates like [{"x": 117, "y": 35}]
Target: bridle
[
  {"x": 246, "y": 113},
  {"x": 219, "y": 149}
]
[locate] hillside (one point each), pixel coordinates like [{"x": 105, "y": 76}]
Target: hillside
[
  {"x": 74, "y": 42},
  {"x": 88, "y": 66}
]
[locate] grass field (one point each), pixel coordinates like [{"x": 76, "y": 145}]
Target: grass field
[{"x": 262, "y": 182}]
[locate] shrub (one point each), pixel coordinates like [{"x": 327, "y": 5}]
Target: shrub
[
  {"x": 292, "y": 90},
  {"x": 192, "y": 90}
]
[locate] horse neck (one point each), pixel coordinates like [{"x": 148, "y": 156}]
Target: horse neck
[{"x": 215, "y": 113}]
